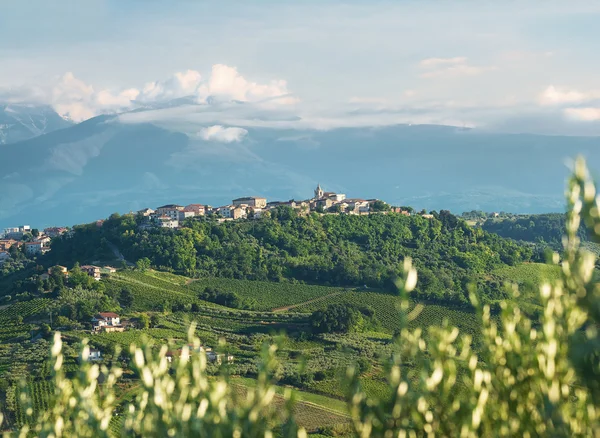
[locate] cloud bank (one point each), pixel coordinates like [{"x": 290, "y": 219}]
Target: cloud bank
[
  {"x": 222, "y": 134},
  {"x": 77, "y": 100}
]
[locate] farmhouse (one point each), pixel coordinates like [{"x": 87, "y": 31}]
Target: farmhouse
[
  {"x": 95, "y": 354},
  {"x": 107, "y": 322},
  {"x": 92, "y": 271}
]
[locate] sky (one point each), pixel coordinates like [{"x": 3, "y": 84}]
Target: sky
[{"x": 510, "y": 66}]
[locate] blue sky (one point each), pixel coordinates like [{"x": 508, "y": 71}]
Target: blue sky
[{"x": 511, "y": 65}]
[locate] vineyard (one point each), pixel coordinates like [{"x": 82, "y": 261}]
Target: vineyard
[
  {"x": 23, "y": 309},
  {"x": 40, "y": 392},
  {"x": 269, "y": 296},
  {"x": 528, "y": 273}
]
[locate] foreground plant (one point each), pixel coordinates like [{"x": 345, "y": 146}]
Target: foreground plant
[
  {"x": 528, "y": 378},
  {"x": 173, "y": 400}
]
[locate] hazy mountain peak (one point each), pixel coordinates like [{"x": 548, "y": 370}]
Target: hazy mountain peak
[{"x": 24, "y": 121}]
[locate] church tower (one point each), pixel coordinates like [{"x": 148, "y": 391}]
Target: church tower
[{"x": 318, "y": 192}]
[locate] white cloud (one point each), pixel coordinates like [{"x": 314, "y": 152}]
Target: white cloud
[
  {"x": 181, "y": 84},
  {"x": 74, "y": 99},
  {"x": 226, "y": 83},
  {"x": 222, "y": 134},
  {"x": 557, "y": 96},
  {"x": 583, "y": 114},
  {"x": 436, "y": 62},
  {"x": 451, "y": 67}
]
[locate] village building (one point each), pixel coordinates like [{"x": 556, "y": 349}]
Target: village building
[
  {"x": 107, "y": 322},
  {"x": 167, "y": 222},
  {"x": 233, "y": 211},
  {"x": 92, "y": 271},
  {"x": 170, "y": 210},
  {"x": 251, "y": 201},
  {"x": 53, "y": 232},
  {"x": 183, "y": 215},
  {"x": 33, "y": 248},
  {"x": 334, "y": 197},
  {"x": 45, "y": 240},
  {"x": 197, "y": 209},
  {"x": 146, "y": 212},
  {"x": 5, "y": 244},
  {"x": 109, "y": 269},
  {"x": 400, "y": 211},
  {"x": 16, "y": 233},
  {"x": 62, "y": 269}
]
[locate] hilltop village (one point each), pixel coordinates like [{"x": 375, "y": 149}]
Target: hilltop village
[
  {"x": 254, "y": 207},
  {"x": 32, "y": 242}
]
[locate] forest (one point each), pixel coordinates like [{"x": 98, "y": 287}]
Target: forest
[{"x": 331, "y": 250}]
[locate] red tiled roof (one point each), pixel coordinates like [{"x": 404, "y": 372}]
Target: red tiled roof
[{"x": 108, "y": 315}]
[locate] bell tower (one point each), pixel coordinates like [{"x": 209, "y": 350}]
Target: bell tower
[{"x": 318, "y": 192}]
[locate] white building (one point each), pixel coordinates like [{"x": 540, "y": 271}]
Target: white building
[
  {"x": 171, "y": 210},
  {"x": 167, "y": 222},
  {"x": 105, "y": 320},
  {"x": 33, "y": 248},
  {"x": 95, "y": 354},
  {"x": 183, "y": 215}
]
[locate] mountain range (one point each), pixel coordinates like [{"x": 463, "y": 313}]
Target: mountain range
[
  {"x": 22, "y": 122},
  {"x": 113, "y": 163}
]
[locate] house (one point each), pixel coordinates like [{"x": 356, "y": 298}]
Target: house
[
  {"x": 166, "y": 221},
  {"x": 4, "y": 256},
  {"x": 146, "y": 212},
  {"x": 198, "y": 209},
  {"x": 107, "y": 322},
  {"x": 183, "y": 215},
  {"x": 33, "y": 248},
  {"x": 53, "y": 232},
  {"x": 95, "y": 354},
  {"x": 251, "y": 201},
  {"x": 170, "y": 210},
  {"x": 16, "y": 232},
  {"x": 92, "y": 271},
  {"x": 400, "y": 211},
  {"x": 110, "y": 269},
  {"x": 45, "y": 240},
  {"x": 233, "y": 211},
  {"x": 5, "y": 244},
  {"x": 62, "y": 269}
]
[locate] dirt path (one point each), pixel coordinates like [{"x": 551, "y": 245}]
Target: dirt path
[{"x": 293, "y": 306}]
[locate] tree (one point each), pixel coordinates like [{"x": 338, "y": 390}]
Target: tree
[
  {"x": 379, "y": 206},
  {"x": 45, "y": 331},
  {"x": 125, "y": 298},
  {"x": 340, "y": 318},
  {"x": 154, "y": 320},
  {"x": 144, "y": 321},
  {"x": 143, "y": 264}
]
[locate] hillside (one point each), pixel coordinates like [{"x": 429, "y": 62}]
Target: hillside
[{"x": 332, "y": 250}]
